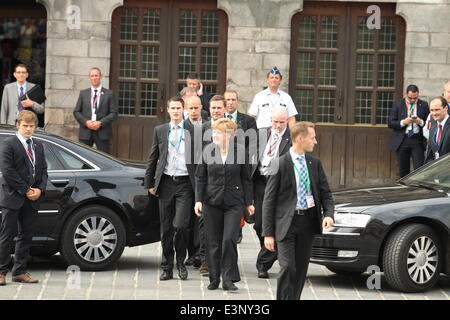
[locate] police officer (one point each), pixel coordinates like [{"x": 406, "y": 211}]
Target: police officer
[{"x": 265, "y": 101}]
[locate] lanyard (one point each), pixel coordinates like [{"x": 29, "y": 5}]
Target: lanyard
[
  {"x": 436, "y": 135},
  {"x": 410, "y": 108},
  {"x": 177, "y": 145},
  {"x": 304, "y": 180}
]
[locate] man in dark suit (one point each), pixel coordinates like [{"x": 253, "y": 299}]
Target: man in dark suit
[
  {"x": 292, "y": 210},
  {"x": 243, "y": 120},
  {"x": 407, "y": 118},
  {"x": 23, "y": 182},
  {"x": 275, "y": 142},
  {"x": 95, "y": 111},
  {"x": 439, "y": 140},
  {"x": 193, "y": 124},
  {"x": 185, "y": 94},
  {"x": 193, "y": 81},
  {"x": 169, "y": 177}
]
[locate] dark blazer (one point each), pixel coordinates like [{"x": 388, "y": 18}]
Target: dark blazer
[
  {"x": 280, "y": 197},
  {"x": 157, "y": 159},
  {"x": 194, "y": 145},
  {"x": 106, "y": 113},
  {"x": 204, "y": 98},
  {"x": 17, "y": 173},
  {"x": 245, "y": 121},
  {"x": 229, "y": 184},
  {"x": 444, "y": 146},
  {"x": 398, "y": 113},
  {"x": 285, "y": 144}
]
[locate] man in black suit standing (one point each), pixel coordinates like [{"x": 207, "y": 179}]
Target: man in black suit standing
[
  {"x": 292, "y": 210},
  {"x": 95, "y": 111},
  {"x": 193, "y": 124},
  {"x": 439, "y": 140},
  {"x": 168, "y": 176},
  {"x": 23, "y": 182},
  {"x": 275, "y": 142},
  {"x": 244, "y": 121},
  {"x": 407, "y": 118}
]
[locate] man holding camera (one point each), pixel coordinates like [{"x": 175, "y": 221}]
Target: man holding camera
[{"x": 407, "y": 118}]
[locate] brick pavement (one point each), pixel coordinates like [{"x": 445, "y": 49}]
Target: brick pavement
[{"x": 136, "y": 277}]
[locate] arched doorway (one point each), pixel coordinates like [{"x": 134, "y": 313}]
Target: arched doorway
[
  {"x": 155, "y": 44},
  {"x": 23, "y": 38}
]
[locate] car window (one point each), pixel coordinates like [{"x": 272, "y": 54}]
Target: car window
[
  {"x": 52, "y": 162},
  {"x": 436, "y": 174},
  {"x": 70, "y": 161}
]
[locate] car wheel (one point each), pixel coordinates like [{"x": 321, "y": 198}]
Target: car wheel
[
  {"x": 411, "y": 258},
  {"x": 93, "y": 238},
  {"x": 344, "y": 272}
]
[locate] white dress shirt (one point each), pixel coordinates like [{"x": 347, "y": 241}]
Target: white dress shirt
[{"x": 176, "y": 161}]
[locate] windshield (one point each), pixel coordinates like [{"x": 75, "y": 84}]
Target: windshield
[{"x": 436, "y": 174}]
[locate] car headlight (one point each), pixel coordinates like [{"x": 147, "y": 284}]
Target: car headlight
[{"x": 351, "y": 220}]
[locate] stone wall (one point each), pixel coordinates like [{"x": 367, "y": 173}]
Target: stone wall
[
  {"x": 259, "y": 37},
  {"x": 71, "y": 51}
]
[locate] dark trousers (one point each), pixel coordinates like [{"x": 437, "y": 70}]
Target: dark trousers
[
  {"x": 176, "y": 200},
  {"x": 294, "y": 252},
  {"x": 222, "y": 224},
  {"x": 265, "y": 258},
  {"x": 410, "y": 147},
  {"x": 197, "y": 239},
  {"x": 16, "y": 223},
  {"x": 102, "y": 145}
]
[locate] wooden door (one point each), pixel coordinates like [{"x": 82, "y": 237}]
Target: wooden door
[
  {"x": 345, "y": 78},
  {"x": 155, "y": 44}
]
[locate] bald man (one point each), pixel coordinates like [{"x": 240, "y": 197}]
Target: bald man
[
  {"x": 429, "y": 121},
  {"x": 274, "y": 142},
  {"x": 185, "y": 94}
]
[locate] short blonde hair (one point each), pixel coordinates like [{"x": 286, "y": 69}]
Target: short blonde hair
[
  {"x": 27, "y": 116},
  {"x": 301, "y": 128},
  {"x": 224, "y": 125}
]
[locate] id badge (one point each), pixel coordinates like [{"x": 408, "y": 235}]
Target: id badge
[
  {"x": 310, "y": 201},
  {"x": 436, "y": 155}
]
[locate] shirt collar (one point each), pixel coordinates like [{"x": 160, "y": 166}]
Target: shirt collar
[
  {"x": 279, "y": 133},
  {"x": 234, "y": 114},
  {"x": 268, "y": 92},
  {"x": 195, "y": 122},
  {"x": 23, "y": 139},
  {"x": 24, "y": 85},
  {"x": 444, "y": 121},
  {"x": 99, "y": 89},
  {"x": 172, "y": 125},
  {"x": 295, "y": 155}
]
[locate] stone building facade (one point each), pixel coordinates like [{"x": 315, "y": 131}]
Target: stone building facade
[{"x": 259, "y": 36}]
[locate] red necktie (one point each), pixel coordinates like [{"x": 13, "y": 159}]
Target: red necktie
[{"x": 439, "y": 135}]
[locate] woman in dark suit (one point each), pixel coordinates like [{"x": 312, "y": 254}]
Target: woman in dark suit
[{"x": 223, "y": 189}]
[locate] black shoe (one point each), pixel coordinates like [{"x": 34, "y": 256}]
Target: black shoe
[
  {"x": 239, "y": 239},
  {"x": 229, "y": 287},
  {"x": 213, "y": 285},
  {"x": 263, "y": 274},
  {"x": 182, "y": 271},
  {"x": 196, "y": 263},
  {"x": 189, "y": 261},
  {"x": 166, "y": 275}
]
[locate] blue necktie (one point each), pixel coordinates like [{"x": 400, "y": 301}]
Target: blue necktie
[
  {"x": 301, "y": 189},
  {"x": 19, "y": 106}
]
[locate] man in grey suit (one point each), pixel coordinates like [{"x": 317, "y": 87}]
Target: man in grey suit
[
  {"x": 95, "y": 110},
  {"x": 13, "y": 92},
  {"x": 294, "y": 199}
]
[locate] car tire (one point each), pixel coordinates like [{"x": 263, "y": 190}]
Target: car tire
[
  {"x": 412, "y": 258},
  {"x": 93, "y": 238},
  {"x": 344, "y": 272}
]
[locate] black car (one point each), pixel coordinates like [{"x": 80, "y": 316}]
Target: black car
[
  {"x": 404, "y": 228},
  {"x": 94, "y": 205}
]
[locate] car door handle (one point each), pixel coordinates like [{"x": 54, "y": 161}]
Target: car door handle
[{"x": 60, "y": 183}]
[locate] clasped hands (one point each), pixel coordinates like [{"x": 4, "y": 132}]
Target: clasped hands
[
  {"x": 93, "y": 125},
  {"x": 33, "y": 194}
]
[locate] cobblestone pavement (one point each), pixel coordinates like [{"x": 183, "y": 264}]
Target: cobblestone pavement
[{"x": 136, "y": 277}]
